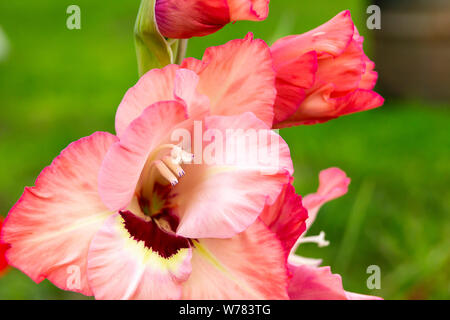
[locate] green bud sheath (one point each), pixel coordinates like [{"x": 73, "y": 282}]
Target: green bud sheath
[{"x": 152, "y": 49}]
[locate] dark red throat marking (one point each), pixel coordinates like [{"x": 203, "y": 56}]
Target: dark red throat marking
[{"x": 156, "y": 239}]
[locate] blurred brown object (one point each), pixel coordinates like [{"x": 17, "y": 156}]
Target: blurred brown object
[{"x": 412, "y": 49}]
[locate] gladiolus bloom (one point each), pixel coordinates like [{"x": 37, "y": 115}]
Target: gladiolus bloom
[
  {"x": 181, "y": 19},
  {"x": 132, "y": 223},
  {"x": 137, "y": 215},
  {"x": 166, "y": 242},
  {"x": 323, "y": 74}
]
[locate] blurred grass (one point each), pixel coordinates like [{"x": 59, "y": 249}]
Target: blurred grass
[{"x": 58, "y": 85}]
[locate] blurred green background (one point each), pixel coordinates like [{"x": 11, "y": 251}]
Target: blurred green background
[{"x": 58, "y": 85}]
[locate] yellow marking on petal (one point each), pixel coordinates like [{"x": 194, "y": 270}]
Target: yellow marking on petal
[
  {"x": 208, "y": 256},
  {"x": 151, "y": 258}
]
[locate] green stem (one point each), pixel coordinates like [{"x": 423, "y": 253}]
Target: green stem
[{"x": 181, "y": 52}]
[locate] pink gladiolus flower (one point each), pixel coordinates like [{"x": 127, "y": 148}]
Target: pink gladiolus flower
[
  {"x": 323, "y": 74},
  {"x": 61, "y": 226},
  {"x": 309, "y": 281},
  {"x": 3, "y": 247},
  {"x": 181, "y": 19},
  {"x": 118, "y": 218},
  {"x": 141, "y": 216}
]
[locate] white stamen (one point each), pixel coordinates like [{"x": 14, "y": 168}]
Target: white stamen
[
  {"x": 180, "y": 156},
  {"x": 319, "y": 239},
  {"x": 300, "y": 261},
  {"x": 170, "y": 163},
  {"x": 165, "y": 172}
]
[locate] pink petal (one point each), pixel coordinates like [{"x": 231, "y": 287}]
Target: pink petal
[
  {"x": 344, "y": 71},
  {"x": 253, "y": 10},
  {"x": 330, "y": 38},
  {"x": 317, "y": 107},
  {"x": 193, "y": 64},
  {"x": 286, "y": 217},
  {"x": 50, "y": 227},
  {"x": 236, "y": 186},
  {"x": 124, "y": 162},
  {"x": 120, "y": 267},
  {"x": 357, "y": 101},
  {"x": 312, "y": 283},
  {"x": 239, "y": 77},
  {"x": 320, "y": 107},
  {"x": 155, "y": 86},
  {"x": 333, "y": 183},
  {"x": 299, "y": 72},
  {"x": 293, "y": 78},
  {"x": 251, "y": 265},
  {"x": 185, "y": 91},
  {"x": 181, "y": 19},
  {"x": 370, "y": 77}
]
